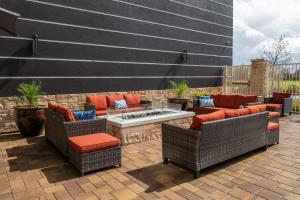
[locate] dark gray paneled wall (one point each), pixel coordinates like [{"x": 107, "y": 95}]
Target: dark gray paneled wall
[{"x": 116, "y": 45}]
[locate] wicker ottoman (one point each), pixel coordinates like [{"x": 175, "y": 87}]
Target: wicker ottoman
[
  {"x": 273, "y": 133},
  {"x": 96, "y": 151}
]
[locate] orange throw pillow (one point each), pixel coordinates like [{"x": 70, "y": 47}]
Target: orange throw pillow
[
  {"x": 98, "y": 100},
  {"x": 262, "y": 108},
  {"x": 132, "y": 99},
  {"x": 112, "y": 98},
  {"x": 279, "y": 96},
  {"x": 199, "y": 119},
  {"x": 231, "y": 113},
  {"x": 227, "y": 101},
  {"x": 62, "y": 110},
  {"x": 244, "y": 111},
  {"x": 253, "y": 109}
]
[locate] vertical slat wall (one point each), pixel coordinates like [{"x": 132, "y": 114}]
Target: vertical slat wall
[{"x": 116, "y": 45}]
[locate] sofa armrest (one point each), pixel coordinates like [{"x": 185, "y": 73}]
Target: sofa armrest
[
  {"x": 88, "y": 106},
  {"x": 287, "y": 105},
  {"x": 84, "y": 127},
  {"x": 268, "y": 100},
  {"x": 181, "y": 139}
]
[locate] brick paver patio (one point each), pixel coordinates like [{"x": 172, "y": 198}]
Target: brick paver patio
[{"x": 33, "y": 169}]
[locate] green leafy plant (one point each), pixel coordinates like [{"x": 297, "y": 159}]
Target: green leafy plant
[
  {"x": 179, "y": 88},
  {"x": 200, "y": 94},
  {"x": 30, "y": 92}
]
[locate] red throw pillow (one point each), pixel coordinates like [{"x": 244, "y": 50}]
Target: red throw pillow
[
  {"x": 227, "y": 101},
  {"x": 98, "y": 100},
  {"x": 279, "y": 96},
  {"x": 244, "y": 111},
  {"x": 253, "y": 109},
  {"x": 231, "y": 113},
  {"x": 62, "y": 110},
  {"x": 244, "y": 100},
  {"x": 112, "y": 98},
  {"x": 199, "y": 119},
  {"x": 216, "y": 98},
  {"x": 132, "y": 99},
  {"x": 262, "y": 108}
]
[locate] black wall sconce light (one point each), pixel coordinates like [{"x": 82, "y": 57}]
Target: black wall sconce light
[
  {"x": 8, "y": 21},
  {"x": 184, "y": 56},
  {"x": 35, "y": 44}
]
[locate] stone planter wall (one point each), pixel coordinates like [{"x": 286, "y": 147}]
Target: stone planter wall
[{"x": 76, "y": 101}]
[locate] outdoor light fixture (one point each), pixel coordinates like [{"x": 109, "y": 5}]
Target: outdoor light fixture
[
  {"x": 228, "y": 43},
  {"x": 8, "y": 21},
  {"x": 35, "y": 43},
  {"x": 184, "y": 56}
]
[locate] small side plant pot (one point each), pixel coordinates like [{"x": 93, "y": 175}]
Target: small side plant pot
[
  {"x": 30, "y": 121},
  {"x": 183, "y": 102}
]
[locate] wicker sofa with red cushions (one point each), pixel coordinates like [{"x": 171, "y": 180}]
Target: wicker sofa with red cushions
[
  {"x": 280, "y": 102},
  {"x": 101, "y": 103},
  {"x": 225, "y": 101},
  {"x": 216, "y": 137}
]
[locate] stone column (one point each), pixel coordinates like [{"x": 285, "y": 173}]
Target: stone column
[{"x": 259, "y": 77}]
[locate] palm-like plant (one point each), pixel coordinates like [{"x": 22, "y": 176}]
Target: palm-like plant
[
  {"x": 179, "y": 88},
  {"x": 30, "y": 92}
]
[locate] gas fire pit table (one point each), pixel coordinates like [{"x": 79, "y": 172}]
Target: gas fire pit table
[{"x": 144, "y": 125}]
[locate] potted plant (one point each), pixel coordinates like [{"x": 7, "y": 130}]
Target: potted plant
[
  {"x": 180, "y": 89},
  {"x": 29, "y": 116}
]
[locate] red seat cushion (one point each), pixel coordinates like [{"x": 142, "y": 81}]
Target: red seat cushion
[
  {"x": 62, "y": 110},
  {"x": 272, "y": 126},
  {"x": 216, "y": 98},
  {"x": 279, "y": 96},
  {"x": 262, "y": 107},
  {"x": 274, "y": 114},
  {"x": 199, "y": 119},
  {"x": 112, "y": 98},
  {"x": 98, "y": 100},
  {"x": 231, "y": 113},
  {"x": 227, "y": 101},
  {"x": 132, "y": 99},
  {"x": 273, "y": 106},
  {"x": 93, "y": 142},
  {"x": 253, "y": 109},
  {"x": 101, "y": 112}
]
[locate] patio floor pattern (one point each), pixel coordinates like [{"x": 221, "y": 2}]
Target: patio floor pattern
[{"x": 33, "y": 169}]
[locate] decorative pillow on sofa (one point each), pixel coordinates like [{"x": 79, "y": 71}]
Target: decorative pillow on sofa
[
  {"x": 98, "y": 100},
  {"x": 84, "y": 115},
  {"x": 204, "y": 97},
  {"x": 68, "y": 115},
  {"x": 279, "y": 96},
  {"x": 206, "y": 102},
  {"x": 111, "y": 98},
  {"x": 199, "y": 119},
  {"x": 120, "y": 104},
  {"x": 132, "y": 99}
]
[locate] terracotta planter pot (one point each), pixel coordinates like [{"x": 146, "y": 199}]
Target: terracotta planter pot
[
  {"x": 30, "y": 121},
  {"x": 183, "y": 102}
]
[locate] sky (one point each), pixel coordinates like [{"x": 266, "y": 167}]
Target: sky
[{"x": 257, "y": 21}]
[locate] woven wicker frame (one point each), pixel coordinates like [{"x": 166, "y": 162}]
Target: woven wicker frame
[
  {"x": 86, "y": 162},
  {"x": 57, "y": 130},
  {"x": 218, "y": 141},
  {"x": 273, "y": 137}
]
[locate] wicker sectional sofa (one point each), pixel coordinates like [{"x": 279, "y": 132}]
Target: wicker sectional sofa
[
  {"x": 101, "y": 103},
  {"x": 215, "y": 142}
]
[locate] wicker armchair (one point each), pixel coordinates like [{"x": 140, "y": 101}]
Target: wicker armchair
[
  {"x": 217, "y": 141},
  {"x": 286, "y": 108},
  {"x": 57, "y": 130}
]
